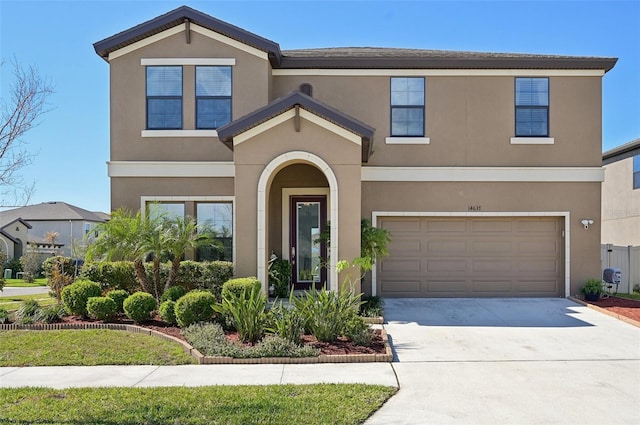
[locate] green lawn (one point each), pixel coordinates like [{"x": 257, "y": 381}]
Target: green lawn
[
  {"x": 19, "y": 283},
  {"x": 630, "y": 296},
  {"x": 13, "y": 303},
  {"x": 229, "y": 405},
  {"x": 88, "y": 347}
]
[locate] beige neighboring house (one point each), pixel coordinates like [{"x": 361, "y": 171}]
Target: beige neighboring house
[
  {"x": 13, "y": 237},
  {"x": 69, "y": 222},
  {"x": 481, "y": 165},
  {"x": 621, "y": 195}
]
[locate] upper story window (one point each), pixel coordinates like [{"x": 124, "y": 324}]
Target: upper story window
[
  {"x": 164, "y": 97},
  {"x": 532, "y": 107},
  {"x": 636, "y": 172},
  {"x": 407, "y": 106},
  {"x": 213, "y": 96}
]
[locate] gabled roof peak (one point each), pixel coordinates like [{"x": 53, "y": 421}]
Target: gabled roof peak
[{"x": 178, "y": 16}]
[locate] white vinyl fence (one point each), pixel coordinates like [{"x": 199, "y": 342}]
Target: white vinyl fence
[{"x": 625, "y": 258}]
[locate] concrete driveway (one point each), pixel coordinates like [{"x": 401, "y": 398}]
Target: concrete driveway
[{"x": 510, "y": 361}]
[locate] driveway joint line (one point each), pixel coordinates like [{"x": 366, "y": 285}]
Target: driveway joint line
[
  {"x": 145, "y": 377},
  {"x": 12, "y": 371},
  {"x": 282, "y": 375},
  {"x": 637, "y": 359}
]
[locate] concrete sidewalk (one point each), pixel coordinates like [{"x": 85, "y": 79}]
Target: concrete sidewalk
[{"x": 197, "y": 375}]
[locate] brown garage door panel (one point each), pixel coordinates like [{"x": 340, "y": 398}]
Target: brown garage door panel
[{"x": 473, "y": 257}]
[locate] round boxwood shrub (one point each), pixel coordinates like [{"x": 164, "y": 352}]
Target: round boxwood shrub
[
  {"x": 118, "y": 295},
  {"x": 76, "y": 295},
  {"x": 167, "y": 312},
  {"x": 138, "y": 307},
  {"x": 240, "y": 284},
  {"x": 194, "y": 307},
  {"x": 173, "y": 293},
  {"x": 102, "y": 308}
]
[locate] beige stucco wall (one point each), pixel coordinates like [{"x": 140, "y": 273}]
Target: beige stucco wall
[
  {"x": 469, "y": 119},
  {"x": 581, "y": 200},
  {"x": 250, "y": 87},
  {"x": 620, "y": 205}
]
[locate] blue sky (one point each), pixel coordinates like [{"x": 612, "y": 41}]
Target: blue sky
[{"x": 72, "y": 141}]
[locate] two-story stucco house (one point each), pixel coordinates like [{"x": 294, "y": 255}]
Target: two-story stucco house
[
  {"x": 481, "y": 165},
  {"x": 621, "y": 195}
]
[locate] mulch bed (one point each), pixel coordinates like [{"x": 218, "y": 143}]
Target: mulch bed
[
  {"x": 341, "y": 346},
  {"x": 622, "y": 306}
]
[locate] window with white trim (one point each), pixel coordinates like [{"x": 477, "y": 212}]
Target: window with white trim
[
  {"x": 636, "y": 172},
  {"x": 532, "y": 107},
  {"x": 218, "y": 219},
  {"x": 213, "y": 96},
  {"x": 164, "y": 97},
  {"x": 407, "y": 107},
  {"x": 166, "y": 209}
]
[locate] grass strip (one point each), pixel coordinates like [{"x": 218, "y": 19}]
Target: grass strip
[
  {"x": 19, "y": 283},
  {"x": 11, "y": 303},
  {"x": 229, "y": 405},
  {"x": 633, "y": 296},
  {"x": 87, "y": 347}
]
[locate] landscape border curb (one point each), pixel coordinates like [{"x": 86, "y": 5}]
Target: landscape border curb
[
  {"x": 387, "y": 357},
  {"x": 605, "y": 311}
]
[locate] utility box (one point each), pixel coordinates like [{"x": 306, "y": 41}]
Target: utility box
[
  {"x": 8, "y": 273},
  {"x": 612, "y": 275}
]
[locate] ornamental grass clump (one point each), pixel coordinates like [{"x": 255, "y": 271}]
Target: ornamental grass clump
[
  {"x": 28, "y": 312},
  {"x": 138, "y": 307},
  {"x": 286, "y": 322},
  {"x": 326, "y": 312},
  {"x": 247, "y": 310}
]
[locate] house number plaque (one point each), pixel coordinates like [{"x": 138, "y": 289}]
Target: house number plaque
[{"x": 474, "y": 208}]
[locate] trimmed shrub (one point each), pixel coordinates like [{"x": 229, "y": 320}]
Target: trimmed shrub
[
  {"x": 76, "y": 295},
  {"x": 112, "y": 275},
  {"x": 280, "y": 277},
  {"x": 102, "y": 308},
  {"x": 138, "y": 307},
  {"x": 213, "y": 275},
  {"x": 173, "y": 293},
  {"x": 247, "y": 311},
  {"x": 4, "y": 315},
  {"x": 194, "y": 307},
  {"x": 167, "y": 312},
  {"x": 2, "y": 283},
  {"x": 51, "y": 314},
  {"x": 118, "y": 295},
  {"x": 240, "y": 285},
  {"x": 28, "y": 312}
]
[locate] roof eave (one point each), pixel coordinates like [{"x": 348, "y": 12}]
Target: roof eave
[{"x": 621, "y": 152}]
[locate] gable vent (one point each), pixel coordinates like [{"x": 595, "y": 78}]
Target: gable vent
[{"x": 307, "y": 89}]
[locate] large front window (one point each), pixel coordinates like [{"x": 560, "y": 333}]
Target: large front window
[
  {"x": 407, "y": 107},
  {"x": 164, "y": 97},
  {"x": 213, "y": 96},
  {"x": 532, "y": 107},
  {"x": 218, "y": 218}
]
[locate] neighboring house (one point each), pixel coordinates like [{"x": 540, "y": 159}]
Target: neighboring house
[
  {"x": 13, "y": 236},
  {"x": 621, "y": 195},
  {"x": 482, "y": 165},
  {"x": 69, "y": 222}
]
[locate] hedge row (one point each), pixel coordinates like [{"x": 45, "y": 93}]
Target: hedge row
[{"x": 192, "y": 275}]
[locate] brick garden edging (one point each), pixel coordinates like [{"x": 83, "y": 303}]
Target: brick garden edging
[{"x": 202, "y": 359}]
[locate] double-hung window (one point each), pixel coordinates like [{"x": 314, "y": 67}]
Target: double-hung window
[
  {"x": 164, "y": 97},
  {"x": 213, "y": 96},
  {"x": 532, "y": 107},
  {"x": 636, "y": 172},
  {"x": 407, "y": 107}
]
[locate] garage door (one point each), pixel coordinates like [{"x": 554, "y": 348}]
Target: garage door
[{"x": 473, "y": 257}]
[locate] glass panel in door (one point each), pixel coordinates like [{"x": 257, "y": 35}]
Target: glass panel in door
[{"x": 307, "y": 253}]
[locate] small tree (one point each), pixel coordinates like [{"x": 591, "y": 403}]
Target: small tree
[{"x": 31, "y": 263}]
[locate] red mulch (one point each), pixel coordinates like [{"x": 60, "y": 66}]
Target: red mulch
[
  {"x": 342, "y": 346},
  {"x": 622, "y": 306}
]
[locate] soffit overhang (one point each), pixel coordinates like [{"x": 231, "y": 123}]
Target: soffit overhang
[
  {"x": 627, "y": 150},
  {"x": 295, "y": 100}
]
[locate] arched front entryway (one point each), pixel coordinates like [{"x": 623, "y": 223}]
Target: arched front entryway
[{"x": 270, "y": 173}]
